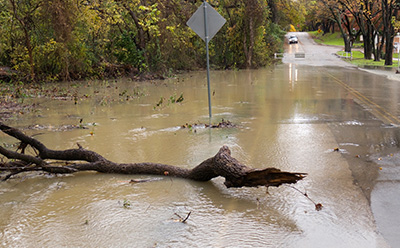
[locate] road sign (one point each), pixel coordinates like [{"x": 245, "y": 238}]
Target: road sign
[
  {"x": 214, "y": 20},
  {"x": 206, "y": 22}
]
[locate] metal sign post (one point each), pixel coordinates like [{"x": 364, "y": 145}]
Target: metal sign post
[
  {"x": 206, "y": 22},
  {"x": 397, "y": 46},
  {"x": 208, "y": 60}
]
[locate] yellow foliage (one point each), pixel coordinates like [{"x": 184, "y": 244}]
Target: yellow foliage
[{"x": 292, "y": 28}]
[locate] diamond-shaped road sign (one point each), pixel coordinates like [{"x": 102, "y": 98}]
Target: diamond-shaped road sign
[
  {"x": 206, "y": 22},
  {"x": 214, "y": 20}
]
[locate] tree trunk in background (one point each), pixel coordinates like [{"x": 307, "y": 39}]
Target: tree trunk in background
[
  {"x": 273, "y": 10},
  {"x": 388, "y": 11},
  {"x": 251, "y": 45}
]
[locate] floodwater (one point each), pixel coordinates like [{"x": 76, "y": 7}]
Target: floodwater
[{"x": 286, "y": 116}]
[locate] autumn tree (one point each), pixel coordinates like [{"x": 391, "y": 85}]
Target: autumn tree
[
  {"x": 315, "y": 15},
  {"x": 325, "y": 20},
  {"x": 52, "y": 40},
  {"x": 254, "y": 14},
  {"x": 337, "y": 14},
  {"x": 23, "y": 17},
  {"x": 290, "y": 12},
  {"x": 345, "y": 22}
]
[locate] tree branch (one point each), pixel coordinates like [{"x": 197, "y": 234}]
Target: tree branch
[
  {"x": 222, "y": 164},
  {"x": 45, "y": 153}
]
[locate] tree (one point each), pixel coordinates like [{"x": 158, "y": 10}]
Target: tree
[
  {"x": 389, "y": 13},
  {"x": 254, "y": 15},
  {"x": 372, "y": 18},
  {"x": 338, "y": 14},
  {"x": 52, "y": 40},
  {"x": 222, "y": 164},
  {"x": 323, "y": 16},
  {"x": 274, "y": 11},
  {"x": 368, "y": 15},
  {"x": 289, "y": 12},
  {"x": 313, "y": 19},
  {"x": 375, "y": 20},
  {"x": 355, "y": 8},
  {"x": 25, "y": 15}
]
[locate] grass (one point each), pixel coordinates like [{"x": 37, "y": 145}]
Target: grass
[
  {"x": 358, "y": 60},
  {"x": 336, "y": 39},
  {"x": 356, "y": 54}
]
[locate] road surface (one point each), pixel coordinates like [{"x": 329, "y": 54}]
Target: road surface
[
  {"x": 315, "y": 55},
  {"x": 369, "y": 143}
]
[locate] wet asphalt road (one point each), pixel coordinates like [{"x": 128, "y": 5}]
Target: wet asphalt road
[{"x": 370, "y": 143}]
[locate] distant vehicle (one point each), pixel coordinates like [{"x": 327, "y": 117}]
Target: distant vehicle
[{"x": 293, "y": 39}]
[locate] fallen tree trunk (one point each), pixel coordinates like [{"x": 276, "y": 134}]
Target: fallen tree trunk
[{"x": 222, "y": 164}]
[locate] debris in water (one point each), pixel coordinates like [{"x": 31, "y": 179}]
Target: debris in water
[
  {"x": 140, "y": 180},
  {"x": 183, "y": 220},
  {"x": 126, "y": 204},
  {"x": 143, "y": 180},
  {"x": 318, "y": 206},
  {"x": 222, "y": 124}
]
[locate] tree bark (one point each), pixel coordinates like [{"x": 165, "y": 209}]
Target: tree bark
[
  {"x": 222, "y": 164},
  {"x": 368, "y": 41},
  {"x": 388, "y": 11}
]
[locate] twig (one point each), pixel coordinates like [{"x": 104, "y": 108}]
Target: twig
[
  {"x": 8, "y": 176},
  {"x": 181, "y": 219},
  {"x": 147, "y": 208},
  {"x": 187, "y": 217},
  {"x": 318, "y": 206}
]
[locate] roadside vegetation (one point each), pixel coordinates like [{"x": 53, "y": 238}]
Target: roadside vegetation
[
  {"x": 357, "y": 55},
  {"x": 57, "y": 40},
  {"x": 376, "y": 21},
  {"x": 44, "y": 42},
  {"x": 332, "y": 39}
]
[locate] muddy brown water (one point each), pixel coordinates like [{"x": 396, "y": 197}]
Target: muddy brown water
[{"x": 284, "y": 115}]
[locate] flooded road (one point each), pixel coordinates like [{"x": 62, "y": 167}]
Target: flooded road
[{"x": 290, "y": 116}]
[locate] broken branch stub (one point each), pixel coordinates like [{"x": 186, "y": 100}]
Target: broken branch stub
[{"x": 222, "y": 164}]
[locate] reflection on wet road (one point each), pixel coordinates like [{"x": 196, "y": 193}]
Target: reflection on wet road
[{"x": 379, "y": 111}]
